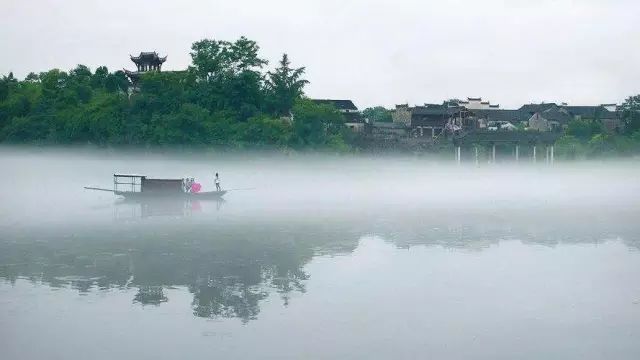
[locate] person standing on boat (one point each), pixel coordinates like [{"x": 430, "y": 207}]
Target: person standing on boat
[
  {"x": 218, "y": 183},
  {"x": 187, "y": 184}
]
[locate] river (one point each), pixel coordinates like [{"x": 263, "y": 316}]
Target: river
[{"x": 318, "y": 257}]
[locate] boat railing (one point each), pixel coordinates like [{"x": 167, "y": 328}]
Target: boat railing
[{"x": 127, "y": 183}]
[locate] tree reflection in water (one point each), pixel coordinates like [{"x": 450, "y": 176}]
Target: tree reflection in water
[
  {"x": 150, "y": 295},
  {"x": 230, "y": 267}
]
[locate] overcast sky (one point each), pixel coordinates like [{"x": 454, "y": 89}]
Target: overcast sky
[{"x": 373, "y": 52}]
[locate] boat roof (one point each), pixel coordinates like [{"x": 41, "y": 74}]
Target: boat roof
[{"x": 129, "y": 175}]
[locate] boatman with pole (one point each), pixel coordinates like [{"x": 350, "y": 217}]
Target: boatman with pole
[{"x": 218, "y": 183}]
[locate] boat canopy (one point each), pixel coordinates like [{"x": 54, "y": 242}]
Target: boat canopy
[{"x": 140, "y": 183}]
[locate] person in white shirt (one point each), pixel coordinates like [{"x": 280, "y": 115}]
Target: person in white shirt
[{"x": 218, "y": 183}]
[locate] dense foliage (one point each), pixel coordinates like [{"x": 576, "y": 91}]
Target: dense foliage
[
  {"x": 224, "y": 98},
  {"x": 377, "y": 114},
  {"x": 589, "y": 139}
]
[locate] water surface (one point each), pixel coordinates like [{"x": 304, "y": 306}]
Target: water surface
[{"x": 336, "y": 257}]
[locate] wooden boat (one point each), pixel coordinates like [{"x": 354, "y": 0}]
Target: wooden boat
[{"x": 139, "y": 187}]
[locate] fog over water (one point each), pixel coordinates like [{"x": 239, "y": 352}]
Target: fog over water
[{"x": 319, "y": 256}]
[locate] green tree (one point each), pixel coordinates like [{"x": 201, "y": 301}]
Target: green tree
[
  {"x": 116, "y": 82},
  {"x": 569, "y": 147},
  {"x": 630, "y": 114},
  {"x": 82, "y": 72},
  {"x": 4, "y": 90},
  {"x": 584, "y": 129},
  {"x": 99, "y": 78},
  {"x": 32, "y": 77},
  {"x": 263, "y": 130},
  {"x": 224, "y": 98},
  {"x": 217, "y": 58},
  {"x": 377, "y": 114},
  {"x": 229, "y": 76},
  {"x": 315, "y": 124},
  {"x": 185, "y": 126},
  {"x": 284, "y": 86}
]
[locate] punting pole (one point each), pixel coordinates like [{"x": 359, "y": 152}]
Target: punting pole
[
  {"x": 98, "y": 189},
  {"x": 238, "y": 189}
]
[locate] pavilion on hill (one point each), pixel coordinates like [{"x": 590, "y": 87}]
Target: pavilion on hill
[{"x": 146, "y": 61}]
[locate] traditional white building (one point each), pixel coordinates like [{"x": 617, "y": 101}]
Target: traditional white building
[{"x": 478, "y": 104}]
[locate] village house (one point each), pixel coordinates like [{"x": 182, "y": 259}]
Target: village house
[
  {"x": 550, "y": 116},
  {"x": 432, "y": 119},
  {"x": 387, "y": 130},
  {"x": 503, "y": 118},
  {"x": 609, "y": 119},
  {"x": 477, "y": 104},
  {"x": 551, "y": 119}
]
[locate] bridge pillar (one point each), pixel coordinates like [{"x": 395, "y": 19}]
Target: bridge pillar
[
  {"x": 476, "y": 149},
  {"x": 534, "y": 154},
  {"x": 493, "y": 153},
  {"x": 458, "y": 157},
  {"x": 546, "y": 154},
  {"x": 551, "y": 151},
  {"x": 517, "y": 153}
]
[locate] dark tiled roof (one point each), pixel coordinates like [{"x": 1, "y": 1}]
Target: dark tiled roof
[
  {"x": 435, "y": 115},
  {"x": 559, "y": 115},
  {"x": 434, "y": 109},
  {"x": 148, "y": 56},
  {"x": 534, "y": 108},
  {"x": 501, "y": 115},
  {"x": 338, "y": 104},
  {"x": 590, "y": 112}
]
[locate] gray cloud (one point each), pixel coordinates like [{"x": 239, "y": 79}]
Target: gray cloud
[{"x": 374, "y": 52}]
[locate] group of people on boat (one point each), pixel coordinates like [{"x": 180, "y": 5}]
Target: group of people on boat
[{"x": 190, "y": 186}]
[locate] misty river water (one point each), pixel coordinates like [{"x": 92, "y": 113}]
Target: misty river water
[{"x": 319, "y": 257}]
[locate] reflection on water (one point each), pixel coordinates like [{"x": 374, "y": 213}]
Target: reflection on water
[
  {"x": 535, "y": 278},
  {"x": 228, "y": 270},
  {"x": 132, "y": 209},
  {"x": 229, "y": 266}
]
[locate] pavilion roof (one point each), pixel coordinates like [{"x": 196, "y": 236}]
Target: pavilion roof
[{"x": 148, "y": 57}]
